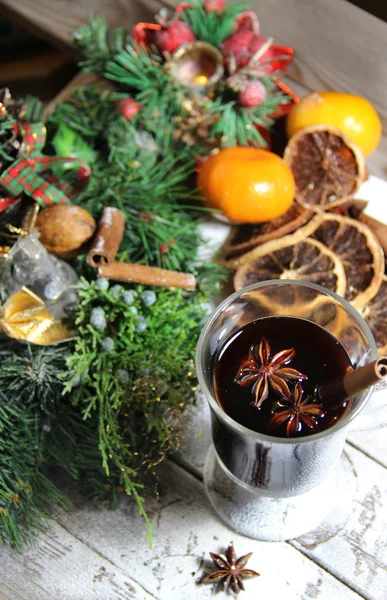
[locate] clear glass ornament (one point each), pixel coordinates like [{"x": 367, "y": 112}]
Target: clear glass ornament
[{"x": 29, "y": 264}]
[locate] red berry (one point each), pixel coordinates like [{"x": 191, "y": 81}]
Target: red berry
[
  {"x": 214, "y": 5},
  {"x": 128, "y": 108},
  {"x": 163, "y": 248},
  {"x": 253, "y": 94},
  {"x": 171, "y": 37},
  {"x": 83, "y": 174}
]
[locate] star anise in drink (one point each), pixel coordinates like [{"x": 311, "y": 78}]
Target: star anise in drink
[
  {"x": 267, "y": 373},
  {"x": 300, "y": 413},
  {"x": 230, "y": 571}
]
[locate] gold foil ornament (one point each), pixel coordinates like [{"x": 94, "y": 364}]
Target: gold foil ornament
[{"x": 24, "y": 316}]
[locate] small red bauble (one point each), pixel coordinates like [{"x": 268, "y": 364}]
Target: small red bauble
[
  {"x": 83, "y": 174},
  {"x": 128, "y": 108},
  {"x": 214, "y": 5},
  {"x": 253, "y": 94},
  {"x": 163, "y": 248},
  {"x": 171, "y": 37}
]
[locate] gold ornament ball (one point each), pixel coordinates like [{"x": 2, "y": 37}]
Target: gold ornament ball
[{"x": 64, "y": 229}]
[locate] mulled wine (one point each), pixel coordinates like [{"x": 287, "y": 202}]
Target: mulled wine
[{"x": 266, "y": 375}]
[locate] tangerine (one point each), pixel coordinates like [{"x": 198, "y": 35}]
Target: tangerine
[
  {"x": 353, "y": 115},
  {"x": 250, "y": 185}
]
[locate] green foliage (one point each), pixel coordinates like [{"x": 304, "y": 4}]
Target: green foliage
[
  {"x": 138, "y": 170},
  {"x": 145, "y": 76},
  {"x": 40, "y": 427},
  {"x": 141, "y": 73},
  {"x": 98, "y": 44},
  {"x": 68, "y": 142},
  {"x": 237, "y": 126},
  {"x": 30, "y": 388},
  {"x": 107, "y": 406},
  {"x": 88, "y": 113},
  {"x": 136, "y": 368},
  {"x": 7, "y": 153},
  {"x": 34, "y": 109},
  {"x": 212, "y": 27}
]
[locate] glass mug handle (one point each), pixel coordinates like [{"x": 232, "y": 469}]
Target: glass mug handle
[{"x": 374, "y": 414}]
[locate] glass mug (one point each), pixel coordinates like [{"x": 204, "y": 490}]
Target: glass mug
[{"x": 264, "y": 486}]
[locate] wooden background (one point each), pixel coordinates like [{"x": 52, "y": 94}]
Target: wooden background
[{"x": 338, "y": 46}]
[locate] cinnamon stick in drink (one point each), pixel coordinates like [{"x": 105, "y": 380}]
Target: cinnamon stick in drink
[
  {"x": 107, "y": 238},
  {"x": 132, "y": 273},
  {"x": 354, "y": 382}
]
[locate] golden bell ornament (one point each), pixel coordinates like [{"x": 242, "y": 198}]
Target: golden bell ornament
[{"x": 198, "y": 66}]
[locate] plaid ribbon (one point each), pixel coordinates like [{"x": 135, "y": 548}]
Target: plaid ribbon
[{"x": 23, "y": 175}]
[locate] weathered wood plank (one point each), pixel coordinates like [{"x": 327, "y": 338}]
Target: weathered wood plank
[
  {"x": 338, "y": 46},
  {"x": 57, "y": 21},
  {"x": 63, "y": 568},
  {"x": 357, "y": 553},
  {"x": 185, "y": 530},
  {"x": 354, "y": 552},
  {"x": 372, "y": 443}
]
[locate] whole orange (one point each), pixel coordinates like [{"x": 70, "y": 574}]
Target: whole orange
[
  {"x": 249, "y": 185},
  {"x": 353, "y": 115}
]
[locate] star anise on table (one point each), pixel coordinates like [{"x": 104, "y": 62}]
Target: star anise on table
[
  {"x": 230, "y": 571},
  {"x": 267, "y": 373},
  {"x": 300, "y": 412}
]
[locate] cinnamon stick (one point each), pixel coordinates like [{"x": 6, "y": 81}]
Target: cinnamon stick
[
  {"x": 354, "y": 382},
  {"x": 107, "y": 238},
  {"x": 120, "y": 271}
]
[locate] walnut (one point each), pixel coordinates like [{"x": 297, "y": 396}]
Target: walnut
[{"x": 64, "y": 229}]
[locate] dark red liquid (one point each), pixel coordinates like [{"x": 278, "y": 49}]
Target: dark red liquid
[{"x": 318, "y": 355}]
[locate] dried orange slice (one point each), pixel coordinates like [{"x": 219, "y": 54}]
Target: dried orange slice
[
  {"x": 243, "y": 238},
  {"x": 354, "y": 244},
  {"x": 327, "y": 166},
  {"x": 305, "y": 260},
  {"x": 360, "y": 252},
  {"x": 375, "y": 313}
]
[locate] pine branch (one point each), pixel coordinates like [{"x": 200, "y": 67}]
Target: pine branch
[
  {"x": 237, "y": 126},
  {"x": 34, "y": 109},
  {"x": 212, "y": 27},
  {"x": 29, "y": 386},
  {"x": 142, "y": 74},
  {"x": 98, "y": 44},
  {"x": 7, "y": 135},
  {"x": 88, "y": 112}
]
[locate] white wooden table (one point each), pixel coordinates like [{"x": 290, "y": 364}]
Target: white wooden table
[{"x": 90, "y": 553}]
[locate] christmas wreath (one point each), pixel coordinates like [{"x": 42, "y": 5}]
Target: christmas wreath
[{"x": 96, "y": 374}]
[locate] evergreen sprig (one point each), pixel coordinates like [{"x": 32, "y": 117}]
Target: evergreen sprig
[
  {"x": 7, "y": 135},
  {"x": 237, "y": 125},
  {"x": 34, "y": 109},
  {"x": 142, "y": 73},
  {"x": 131, "y": 373},
  {"x": 139, "y": 171},
  {"x": 30, "y": 387},
  {"x": 99, "y": 44},
  {"x": 212, "y": 27}
]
